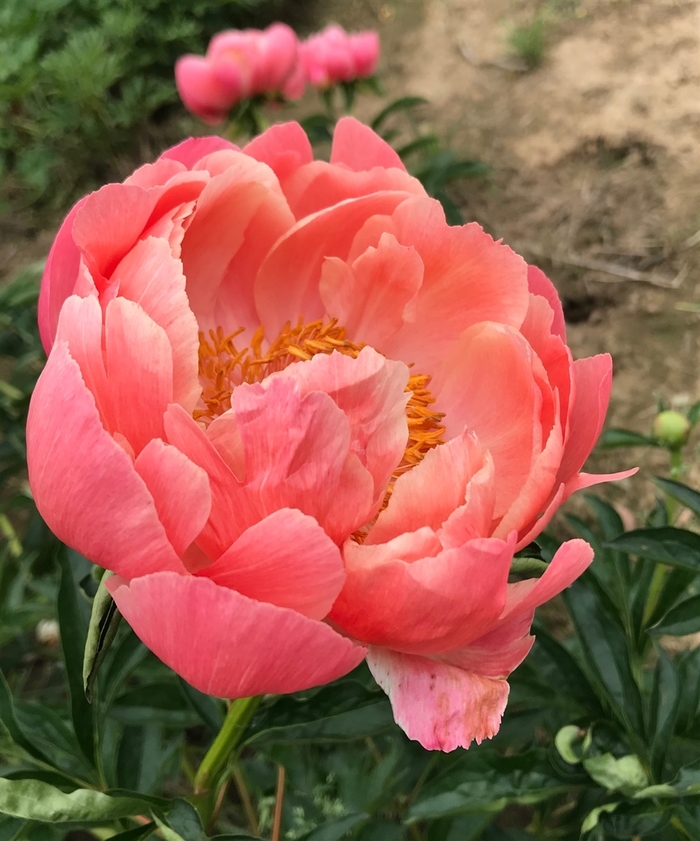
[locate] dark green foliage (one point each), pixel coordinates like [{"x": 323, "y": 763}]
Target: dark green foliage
[{"x": 80, "y": 79}]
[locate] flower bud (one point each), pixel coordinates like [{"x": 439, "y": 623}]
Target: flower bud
[{"x": 671, "y": 429}]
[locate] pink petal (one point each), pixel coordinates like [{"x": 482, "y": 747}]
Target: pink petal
[
  {"x": 497, "y": 653},
  {"x": 155, "y": 174},
  {"x": 283, "y": 147},
  {"x": 227, "y": 645},
  {"x": 357, "y": 147},
  {"x": 569, "y": 561},
  {"x": 370, "y": 391},
  {"x": 59, "y": 279},
  {"x": 240, "y": 215},
  {"x": 319, "y": 185},
  {"x": 180, "y": 491},
  {"x": 287, "y": 284},
  {"x": 500, "y": 402},
  {"x": 423, "y": 606},
  {"x": 372, "y": 298},
  {"x": 414, "y": 502},
  {"x": 440, "y": 706},
  {"x": 202, "y": 93},
  {"x": 467, "y": 279},
  {"x": 84, "y": 484},
  {"x": 192, "y": 150},
  {"x": 139, "y": 364},
  {"x": 286, "y": 560},
  {"x": 298, "y": 455},
  {"x": 539, "y": 284},
  {"x": 592, "y": 382},
  {"x": 152, "y": 278}
]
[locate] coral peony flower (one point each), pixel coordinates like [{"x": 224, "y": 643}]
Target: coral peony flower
[
  {"x": 238, "y": 65},
  {"x": 305, "y": 422},
  {"x": 333, "y": 56}
]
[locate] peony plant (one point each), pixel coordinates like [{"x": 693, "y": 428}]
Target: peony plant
[{"x": 306, "y": 422}]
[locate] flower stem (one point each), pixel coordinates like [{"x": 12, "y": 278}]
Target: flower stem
[
  {"x": 279, "y": 799},
  {"x": 237, "y": 719}
]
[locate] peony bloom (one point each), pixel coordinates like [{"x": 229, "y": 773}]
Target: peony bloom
[
  {"x": 238, "y": 65},
  {"x": 333, "y": 56},
  {"x": 306, "y": 422}
]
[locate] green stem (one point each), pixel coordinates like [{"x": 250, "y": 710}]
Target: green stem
[
  {"x": 655, "y": 588},
  {"x": 237, "y": 719}
]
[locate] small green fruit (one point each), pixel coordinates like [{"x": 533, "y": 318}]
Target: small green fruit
[{"x": 671, "y": 429}]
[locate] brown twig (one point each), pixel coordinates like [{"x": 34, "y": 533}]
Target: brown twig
[
  {"x": 623, "y": 272},
  {"x": 279, "y": 798},
  {"x": 244, "y": 796}
]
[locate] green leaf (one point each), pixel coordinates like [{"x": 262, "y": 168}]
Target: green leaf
[
  {"x": 135, "y": 834},
  {"x": 73, "y": 636},
  {"x": 664, "y": 706},
  {"x": 14, "y": 731},
  {"x": 207, "y": 707},
  {"x": 154, "y": 703},
  {"x": 668, "y": 545},
  {"x": 616, "y": 437},
  {"x": 593, "y": 818},
  {"x": 405, "y": 103},
  {"x": 10, "y": 828},
  {"x": 34, "y": 800},
  {"x": 694, "y": 413},
  {"x": 184, "y": 819},
  {"x": 680, "y": 492},
  {"x": 104, "y": 623},
  {"x": 334, "y": 830},
  {"x": 605, "y": 648},
  {"x": 338, "y": 712},
  {"x": 682, "y": 619},
  {"x": 128, "y": 655},
  {"x": 481, "y": 782}
]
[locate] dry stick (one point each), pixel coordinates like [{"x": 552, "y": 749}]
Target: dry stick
[
  {"x": 279, "y": 797},
  {"x": 622, "y": 271},
  {"x": 244, "y": 796}
]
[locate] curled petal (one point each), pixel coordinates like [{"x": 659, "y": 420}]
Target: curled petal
[
  {"x": 228, "y": 645},
  {"x": 359, "y": 148}
]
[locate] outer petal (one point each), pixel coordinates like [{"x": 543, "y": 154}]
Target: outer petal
[
  {"x": 539, "y": 284},
  {"x": 500, "y": 401},
  {"x": 84, "y": 484},
  {"x": 192, "y": 150},
  {"x": 423, "y": 606},
  {"x": 180, "y": 490},
  {"x": 438, "y": 705},
  {"x": 359, "y": 148},
  {"x": 283, "y": 147},
  {"x": 60, "y": 277},
  {"x": 287, "y": 560},
  {"x": 228, "y": 645},
  {"x": 592, "y": 383},
  {"x": 570, "y": 560}
]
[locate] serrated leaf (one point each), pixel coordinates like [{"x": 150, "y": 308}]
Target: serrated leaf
[
  {"x": 103, "y": 627},
  {"x": 668, "y": 545},
  {"x": 34, "y": 800},
  {"x": 682, "y": 619}
]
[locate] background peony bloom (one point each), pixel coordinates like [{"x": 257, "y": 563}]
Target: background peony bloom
[
  {"x": 238, "y": 65},
  {"x": 305, "y": 421},
  {"x": 333, "y": 56}
]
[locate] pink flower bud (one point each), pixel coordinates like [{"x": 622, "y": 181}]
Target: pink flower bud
[
  {"x": 202, "y": 93},
  {"x": 364, "y": 47}
]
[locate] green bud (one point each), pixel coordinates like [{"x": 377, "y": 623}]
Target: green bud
[{"x": 671, "y": 429}]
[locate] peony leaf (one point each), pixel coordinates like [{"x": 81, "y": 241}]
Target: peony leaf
[
  {"x": 668, "y": 545},
  {"x": 104, "y": 623}
]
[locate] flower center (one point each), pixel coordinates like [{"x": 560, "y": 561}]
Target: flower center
[{"x": 223, "y": 365}]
